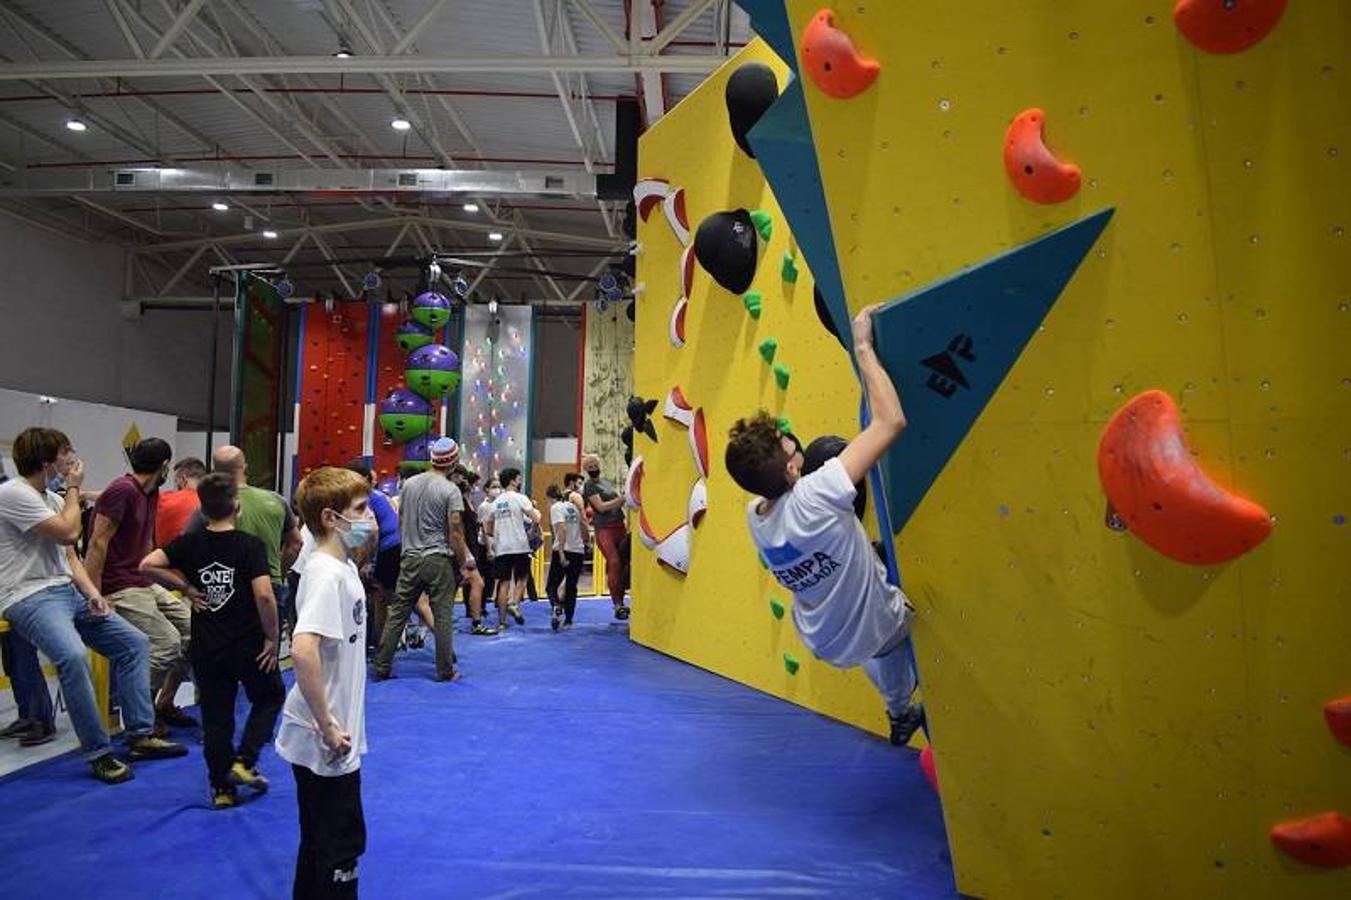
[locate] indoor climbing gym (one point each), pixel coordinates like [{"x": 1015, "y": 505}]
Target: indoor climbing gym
[{"x": 675, "y": 448}]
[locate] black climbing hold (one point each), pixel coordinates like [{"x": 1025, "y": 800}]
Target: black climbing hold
[
  {"x": 626, "y": 437},
  {"x": 639, "y": 412},
  {"x": 826, "y": 447},
  {"x": 727, "y": 245},
  {"x": 750, "y": 91},
  {"x": 823, "y": 313}
]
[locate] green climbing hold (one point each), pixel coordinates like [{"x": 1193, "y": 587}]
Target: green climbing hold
[
  {"x": 789, "y": 268},
  {"x": 752, "y": 301},
  {"x": 763, "y": 223},
  {"x": 781, "y": 375},
  {"x": 767, "y": 348},
  {"x": 776, "y": 607},
  {"x": 790, "y": 663},
  {"x": 785, "y": 425}
]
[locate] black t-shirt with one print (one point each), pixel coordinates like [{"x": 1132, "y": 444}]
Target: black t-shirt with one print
[{"x": 222, "y": 565}]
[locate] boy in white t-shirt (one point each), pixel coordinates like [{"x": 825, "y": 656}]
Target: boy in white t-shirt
[
  {"x": 506, "y": 524},
  {"x": 323, "y": 730},
  {"x": 844, "y": 608}
]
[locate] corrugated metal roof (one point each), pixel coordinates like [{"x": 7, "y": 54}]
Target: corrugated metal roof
[{"x": 515, "y": 120}]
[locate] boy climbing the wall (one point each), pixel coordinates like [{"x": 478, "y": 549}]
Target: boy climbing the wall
[
  {"x": 844, "y": 608},
  {"x": 234, "y": 634},
  {"x": 323, "y": 730}
]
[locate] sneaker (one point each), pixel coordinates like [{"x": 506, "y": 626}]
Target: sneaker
[
  {"x": 111, "y": 770},
  {"x": 556, "y": 618},
  {"x": 516, "y": 613},
  {"x": 175, "y": 717},
  {"x": 17, "y": 729},
  {"x": 224, "y": 798},
  {"x": 621, "y": 613},
  {"x": 904, "y": 726},
  {"x": 247, "y": 776},
  {"x": 38, "y": 734},
  {"x": 148, "y": 746},
  {"x": 482, "y": 630}
]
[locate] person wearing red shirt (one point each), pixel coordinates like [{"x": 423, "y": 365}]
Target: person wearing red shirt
[{"x": 177, "y": 506}]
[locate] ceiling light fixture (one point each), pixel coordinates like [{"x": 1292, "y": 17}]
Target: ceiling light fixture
[
  {"x": 220, "y": 207},
  {"x": 270, "y": 234},
  {"x": 494, "y": 235},
  {"x": 399, "y": 123},
  {"x": 344, "y": 50},
  {"x": 76, "y": 125},
  {"x": 471, "y": 207}
]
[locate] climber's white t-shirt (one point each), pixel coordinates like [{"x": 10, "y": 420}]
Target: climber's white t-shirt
[{"x": 843, "y": 606}]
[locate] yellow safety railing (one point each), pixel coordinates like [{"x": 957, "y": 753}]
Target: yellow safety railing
[{"x": 98, "y": 671}]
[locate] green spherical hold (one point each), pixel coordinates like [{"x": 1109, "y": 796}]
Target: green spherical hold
[
  {"x": 432, "y": 383},
  {"x": 403, "y": 428}
]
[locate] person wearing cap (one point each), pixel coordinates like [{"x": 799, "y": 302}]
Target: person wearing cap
[{"x": 434, "y": 555}]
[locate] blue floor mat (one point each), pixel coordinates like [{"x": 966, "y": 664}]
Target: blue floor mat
[{"x": 575, "y": 764}]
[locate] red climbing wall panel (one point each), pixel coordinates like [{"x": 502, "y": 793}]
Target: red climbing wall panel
[
  {"x": 332, "y": 386},
  {"x": 388, "y": 375}
]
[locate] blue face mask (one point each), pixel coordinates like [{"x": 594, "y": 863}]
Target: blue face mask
[
  {"x": 362, "y": 530},
  {"x": 56, "y": 482}
]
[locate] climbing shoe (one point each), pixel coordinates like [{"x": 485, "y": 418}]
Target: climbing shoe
[
  {"x": 151, "y": 747},
  {"x": 904, "y": 726},
  {"x": 111, "y": 770},
  {"x": 224, "y": 798},
  {"x": 621, "y": 613},
  {"x": 482, "y": 630},
  {"x": 516, "y": 613},
  {"x": 556, "y": 618},
  {"x": 248, "y": 776}
]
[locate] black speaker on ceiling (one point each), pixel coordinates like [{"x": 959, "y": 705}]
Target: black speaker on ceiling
[{"x": 628, "y": 122}]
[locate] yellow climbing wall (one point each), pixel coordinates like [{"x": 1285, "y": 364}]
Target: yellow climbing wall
[
  {"x": 718, "y": 616},
  {"x": 1109, "y": 723}
]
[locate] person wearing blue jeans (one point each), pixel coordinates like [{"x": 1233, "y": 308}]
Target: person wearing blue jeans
[
  {"x": 50, "y": 601},
  {"x": 36, "y": 723}
]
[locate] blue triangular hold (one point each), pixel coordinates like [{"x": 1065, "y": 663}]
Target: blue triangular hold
[
  {"x": 782, "y": 141},
  {"x": 948, "y": 347},
  {"x": 769, "y": 19}
]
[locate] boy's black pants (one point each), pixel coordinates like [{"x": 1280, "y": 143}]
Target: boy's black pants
[
  {"x": 332, "y": 834},
  {"x": 219, "y": 673}
]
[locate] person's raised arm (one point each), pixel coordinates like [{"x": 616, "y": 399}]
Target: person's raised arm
[
  {"x": 64, "y": 528},
  {"x": 886, "y": 418}
]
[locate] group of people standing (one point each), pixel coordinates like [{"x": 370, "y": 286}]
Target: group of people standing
[{"x": 209, "y": 582}]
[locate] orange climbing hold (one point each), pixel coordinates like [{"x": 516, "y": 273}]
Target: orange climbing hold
[
  {"x": 1338, "y": 715},
  {"x": 1031, "y": 166},
  {"x": 926, "y": 765},
  {"x": 1321, "y": 840},
  {"x": 832, "y": 61},
  {"x": 1226, "y": 26},
  {"x": 1164, "y": 496}
]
